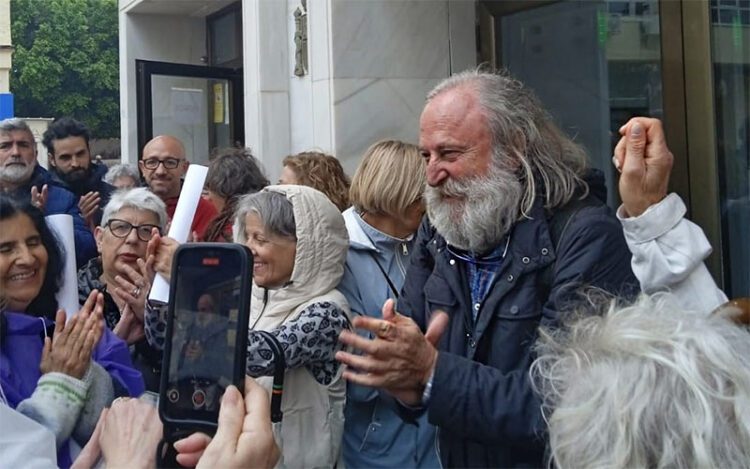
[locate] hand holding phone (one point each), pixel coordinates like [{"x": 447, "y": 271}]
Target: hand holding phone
[
  {"x": 247, "y": 440},
  {"x": 206, "y": 346}
]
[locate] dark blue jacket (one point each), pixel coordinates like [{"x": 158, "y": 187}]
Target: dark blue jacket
[
  {"x": 93, "y": 183},
  {"x": 482, "y": 401},
  {"x": 61, "y": 200}
]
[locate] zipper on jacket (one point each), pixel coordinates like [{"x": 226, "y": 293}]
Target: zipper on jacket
[
  {"x": 265, "y": 301},
  {"x": 399, "y": 262}
]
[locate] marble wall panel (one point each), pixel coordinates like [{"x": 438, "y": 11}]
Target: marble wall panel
[
  {"x": 275, "y": 140},
  {"x": 272, "y": 53},
  {"x": 319, "y": 38},
  {"x": 368, "y": 110},
  {"x": 389, "y": 39},
  {"x": 463, "y": 44},
  {"x": 323, "y": 116}
]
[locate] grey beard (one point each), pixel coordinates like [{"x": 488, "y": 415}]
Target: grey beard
[
  {"x": 482, "y": 212},
  {"x": 16, "y": 174}
]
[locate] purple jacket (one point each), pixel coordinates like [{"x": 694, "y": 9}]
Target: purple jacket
[{"x": 21, "y": 353}]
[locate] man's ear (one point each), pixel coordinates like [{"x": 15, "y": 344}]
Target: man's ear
[
  {"x": 51, "y": 160},
  {"x": 184, "y": 164}
]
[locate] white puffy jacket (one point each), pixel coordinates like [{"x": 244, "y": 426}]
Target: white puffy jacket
[{"x": 310, "y": 433}]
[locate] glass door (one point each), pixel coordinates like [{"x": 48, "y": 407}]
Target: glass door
[
  {"x": 201, "y": 106},
  {"x": 730, "y": 54},
  {"x": 593, "y": 64}
]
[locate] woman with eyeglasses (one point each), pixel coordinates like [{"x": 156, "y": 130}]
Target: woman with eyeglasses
[{"x": 129, "y": 221}]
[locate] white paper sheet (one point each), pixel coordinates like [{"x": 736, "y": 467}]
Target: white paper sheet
[
  {"x": 181, "y": 221},
  {"x": 67, "y": 296}
]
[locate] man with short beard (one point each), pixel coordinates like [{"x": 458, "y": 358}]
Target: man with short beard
[
  {"x": 23, "y": 178},
  {"x": 71, "y": 166},
  {"x": 163, "y": 166},
  {"x": 516, "y": 227}
]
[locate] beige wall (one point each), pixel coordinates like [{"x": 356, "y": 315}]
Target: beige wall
[{"x": 5, "y": 46}]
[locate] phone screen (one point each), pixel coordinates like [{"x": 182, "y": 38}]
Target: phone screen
[{"x": 204, "y": 333}]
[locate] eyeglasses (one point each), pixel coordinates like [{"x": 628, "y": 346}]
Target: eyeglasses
[
  {"x": 122, "y": 228},
  {"x": 169, "y": 163}
]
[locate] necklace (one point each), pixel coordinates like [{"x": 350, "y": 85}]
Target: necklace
[{"x": 489, "y": 260}]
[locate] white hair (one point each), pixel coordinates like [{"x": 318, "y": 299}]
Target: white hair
[
  {"x": 14, "y": 174},
  {"x": 274, "y": 210},
  {"x": 647, "y": 385},
  {"x": 122, "y": 170},
  {"x": 488, "y": 210},
  {"x": 14, "y": 124},
  {"x": 523, "y": 130},
  {"x": 138, "y": 198}
]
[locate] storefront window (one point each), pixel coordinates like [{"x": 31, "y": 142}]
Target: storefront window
[{"x": 730, "y": 50}]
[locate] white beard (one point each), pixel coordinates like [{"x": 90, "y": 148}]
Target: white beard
[
  {"x": 478, "y": 212},
  {"x": 16, "y": 174}
]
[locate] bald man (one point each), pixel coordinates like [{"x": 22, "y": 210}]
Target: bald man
[{"x": 163, "y": 166}]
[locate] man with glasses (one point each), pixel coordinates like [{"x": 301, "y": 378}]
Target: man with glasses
[
  {"x": 67, "y": 142},
  {"x": 23, "y": 178},
  {"x": 163, "y": 166}
]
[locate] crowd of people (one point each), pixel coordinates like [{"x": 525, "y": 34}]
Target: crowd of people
[{"x": 468, "y": 300}]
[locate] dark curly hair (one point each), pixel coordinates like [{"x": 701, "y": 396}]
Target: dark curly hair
[
  {"x": 322, "y": 172},
  {"x": 64, "y": 127},
  {"x": 45, "y": 303},
  {"x": 233, "y": 172}
]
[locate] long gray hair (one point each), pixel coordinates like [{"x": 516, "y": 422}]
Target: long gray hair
[
  {"x": 647, "y": 385},
  {"x": 523, "y": 130}
]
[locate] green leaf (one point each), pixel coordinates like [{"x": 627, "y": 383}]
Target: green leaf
[{"x": 66, "y": 61}]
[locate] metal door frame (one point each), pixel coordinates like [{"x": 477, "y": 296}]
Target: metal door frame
[{"x": 145, "y": 69}]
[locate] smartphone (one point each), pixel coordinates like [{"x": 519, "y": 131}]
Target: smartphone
[{"x": 206, "y": 337}]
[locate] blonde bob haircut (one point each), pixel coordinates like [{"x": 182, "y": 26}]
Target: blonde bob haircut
[{"x": 390, "y": 178}]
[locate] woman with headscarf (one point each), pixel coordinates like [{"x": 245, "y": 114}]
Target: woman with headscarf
[{"x": 298, "y": 240}]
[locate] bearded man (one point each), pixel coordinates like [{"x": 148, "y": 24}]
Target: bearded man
[
  {"x": 516, "y": 227},
  {"x": 24, "y": 179},
  {"x": 71, "y": 166}
]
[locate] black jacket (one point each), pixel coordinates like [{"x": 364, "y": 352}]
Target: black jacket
[
  {"x": 482, "y": 401},
  {"x": 93, "y": 183}
]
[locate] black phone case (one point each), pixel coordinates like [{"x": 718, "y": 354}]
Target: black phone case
[{"x": 175, "y": 429}]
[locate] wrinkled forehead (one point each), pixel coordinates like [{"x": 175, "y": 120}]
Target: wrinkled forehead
[
  {"x": 16, "y": 135},
  {"x": 452, "y": 115}
]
